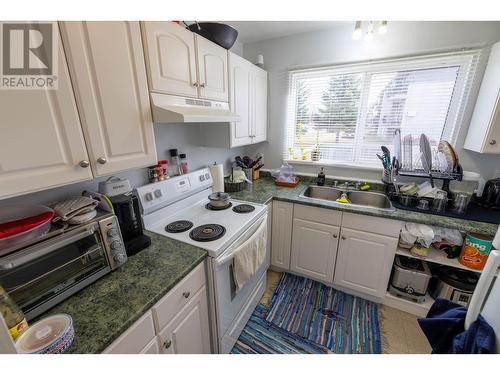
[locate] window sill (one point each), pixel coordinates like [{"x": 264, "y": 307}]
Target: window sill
[{"x": 334, "y": 164}]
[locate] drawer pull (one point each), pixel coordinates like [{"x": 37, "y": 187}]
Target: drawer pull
[
  {"x": 186, "y": 294},
  {"x": 343, "y": 237},
  {"x": 335, "y": 236},
  {"x": 493, "y": 142},
  {"x": 167, "y": 344}
]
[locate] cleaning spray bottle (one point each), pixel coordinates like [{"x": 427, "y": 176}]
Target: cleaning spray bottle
[{"x": 321, "y": 177}]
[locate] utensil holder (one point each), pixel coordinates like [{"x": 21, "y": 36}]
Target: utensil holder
[{"x": 248, "y": 173}]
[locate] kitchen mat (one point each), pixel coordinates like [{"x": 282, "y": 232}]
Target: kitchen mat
[
  {"x": 338, "y": 321},
  {"x": 262, "y": 337}
]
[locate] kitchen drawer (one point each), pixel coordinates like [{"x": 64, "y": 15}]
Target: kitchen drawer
[
  {"x": 319, "y": 215},
  {"x": 177, "y": 298},
  {"x": 372, "y": 224},
  {"x": 134, "y": 339},
  {"x": 152, "y": 348}
]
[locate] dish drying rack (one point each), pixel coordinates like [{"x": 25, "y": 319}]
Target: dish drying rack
[{"x": 446, "y": 177}]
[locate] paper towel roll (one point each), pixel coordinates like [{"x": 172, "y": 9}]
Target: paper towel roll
[
  {"x": 217, "y": 172},
  {"x": 496, "y": 240}
]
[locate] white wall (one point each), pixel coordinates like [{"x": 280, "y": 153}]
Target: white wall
[{"x": 337, "y": 46}]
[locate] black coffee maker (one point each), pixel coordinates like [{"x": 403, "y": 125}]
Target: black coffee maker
[{"x": 126, "y": 207}]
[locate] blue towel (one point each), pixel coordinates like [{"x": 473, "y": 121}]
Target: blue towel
[{"x": 444, "y": 329}]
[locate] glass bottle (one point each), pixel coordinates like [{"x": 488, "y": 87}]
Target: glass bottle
[
  {"x": 12, "y": 314},
  {"x": 176, "y": 168}
]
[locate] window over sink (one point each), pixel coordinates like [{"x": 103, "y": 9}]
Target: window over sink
[{"x": 342, "y": 114}]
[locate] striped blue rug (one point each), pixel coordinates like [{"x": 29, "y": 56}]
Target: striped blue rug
[
  {"x": 330, "y": 318},
  {"x": 262, "y": 337}
]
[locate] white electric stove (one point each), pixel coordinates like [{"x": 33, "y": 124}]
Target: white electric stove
[{"x": 179, "y": 208}]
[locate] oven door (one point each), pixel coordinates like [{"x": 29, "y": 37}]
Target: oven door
[
  {"x": 230, "y": 302},
  {"x": 41, "y": 276}
]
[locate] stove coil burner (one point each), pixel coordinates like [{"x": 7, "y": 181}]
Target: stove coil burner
[
  {"x": 214, "y": 208},
  {"x": 207, "y": 232},
  {"x": 178, "y": 226},
  {"x": 243, "y": 208}
]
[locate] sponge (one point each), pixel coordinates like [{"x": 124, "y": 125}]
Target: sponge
[{"x": 343, "y": 199}]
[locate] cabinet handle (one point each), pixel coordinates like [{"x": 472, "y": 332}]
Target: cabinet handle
[
  {"x": 84, "y": 164},
  {"x": 186, "y": 294},
  {"x": 195, "y": 84},
  {"x": 493, "y": 142},
  {"x": 203, "y": 85},
  {"x": 343, "y": 237},
  {"x": 167, "y": 344},
  {"x": 102, "y": 160},
  {"x": 335, "y": 236}
]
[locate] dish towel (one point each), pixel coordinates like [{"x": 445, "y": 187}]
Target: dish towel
[
  {"x": 74, "y": 206},
  {"x": 444, "y": 329},
  {"x": 250, "y": 256}
]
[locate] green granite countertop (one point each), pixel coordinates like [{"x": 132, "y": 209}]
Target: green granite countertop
[
  {"x": 106, "y": 308},
  {"x": 264, "y": 190}
]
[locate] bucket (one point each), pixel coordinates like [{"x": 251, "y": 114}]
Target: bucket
[{"x": 475, "y": 250}]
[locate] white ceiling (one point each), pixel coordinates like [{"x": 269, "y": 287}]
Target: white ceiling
[{"x": 254, "y": 31}]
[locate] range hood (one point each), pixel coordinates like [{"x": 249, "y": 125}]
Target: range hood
[{"x": 177, "y": 109}]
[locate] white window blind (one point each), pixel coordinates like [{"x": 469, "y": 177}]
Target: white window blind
[{"x": 348, "y": 111}]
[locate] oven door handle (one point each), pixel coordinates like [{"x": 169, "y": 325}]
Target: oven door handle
[
  {"x": 229, "y": 256},
  {"x": 22, "y": 257}
]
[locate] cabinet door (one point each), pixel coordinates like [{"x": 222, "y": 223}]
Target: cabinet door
[
  {"x": 314, "y": 249},
  {"x": 41, "y": 139},
  {"x": 364, "y": 261},
  {"x": 212, "y": 70},
  {"x": 282, "y": 234},
  {"x": 188, "y": 332},
  {"x": 107, "y": 65},
  {"x": 239, "y": 88},
  {"x": 170, "y": 58},
  {"x": 259, "y": 105},
  {"x": 136, "y": 339}
]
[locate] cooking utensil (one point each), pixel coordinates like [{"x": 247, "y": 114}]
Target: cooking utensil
[
  {"x": 256, "y": 168},
  {"x": 219, "y": 199},
  {"x": 219, "y": 33},
  {"x": 387, "y": 156},
  {"x": 239, "y": 162},
  {"x": 394, "y": 171},
  {"x": 254, "y": 163},
  {"x": 247, "y": 161}
]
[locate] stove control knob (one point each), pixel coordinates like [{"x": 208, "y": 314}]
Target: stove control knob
[
  {"x": 207, "y": 176},
  {"x": 202, "y": 178},
  {"x": 149, "y": 196},
  {"x": 119, "y": 258},
  {"x": 116, "y": 246},
  {"x": 113, "y": 232},
  {"x": 158, "y": 193}
]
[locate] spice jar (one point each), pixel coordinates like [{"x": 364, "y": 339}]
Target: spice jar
[{"x": 184, "y": 164}]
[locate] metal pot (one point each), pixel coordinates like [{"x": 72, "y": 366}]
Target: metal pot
[{"x": 219, "y": 199}]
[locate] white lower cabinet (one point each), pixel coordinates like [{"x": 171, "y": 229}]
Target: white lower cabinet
[
  {"x": 281, "y": 234},
  {"x": 364, "y": 261},
  {"x": 177, "y": 324},
  {"x": 188, "y": 331},
  {"x": 314, "y": 249}
]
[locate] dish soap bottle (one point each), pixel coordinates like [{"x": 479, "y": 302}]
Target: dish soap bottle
[
  {"x": 12, "y": 314},
  {"x": 321, "y": 177}
]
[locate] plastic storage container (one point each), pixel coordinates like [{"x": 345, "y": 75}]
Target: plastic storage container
[{"x": 35, "y": 218}]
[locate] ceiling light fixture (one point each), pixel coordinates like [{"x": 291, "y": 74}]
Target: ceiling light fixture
[
  {"x": 382, "y": 29},
  {"x": 358, "y": 31},
  {"x": 369, "y": 32}
]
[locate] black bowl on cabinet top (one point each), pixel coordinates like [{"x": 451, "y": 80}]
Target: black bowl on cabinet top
[{"x": 219, "y": 33}]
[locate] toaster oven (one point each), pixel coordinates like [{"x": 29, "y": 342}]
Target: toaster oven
[{"x": 45, "y": 273}]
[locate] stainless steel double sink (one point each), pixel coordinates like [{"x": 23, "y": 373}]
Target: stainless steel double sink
[{"x": 358, "y": 199}]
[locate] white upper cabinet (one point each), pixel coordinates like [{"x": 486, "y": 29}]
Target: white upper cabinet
[
  {"x": 41, "y": 140},
  {"x": 106, "y": 62},
  {"x": 184, "y": 64},
  {"x": 259, "y": 105},
  {"x": 170, "y": 58},
  {"x": 240, "y": 76},
  {"x": 212, "y": 70},
  {"x": 484, "y": 129}
]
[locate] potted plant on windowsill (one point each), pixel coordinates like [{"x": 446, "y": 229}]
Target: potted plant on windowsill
[{"x": 315, "y": 153}]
